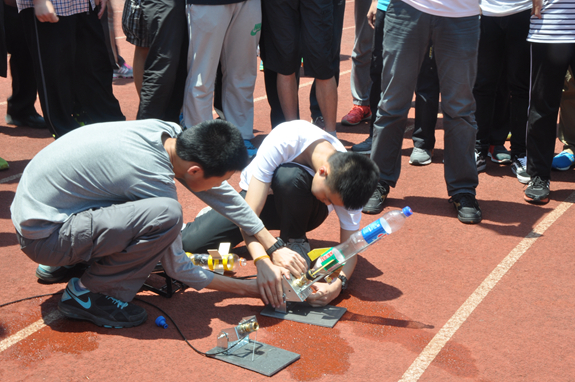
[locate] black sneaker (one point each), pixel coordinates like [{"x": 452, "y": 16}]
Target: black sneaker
[
  {"x": 49, "y": 275},
  {"x": 480, "y": 161},
  {"x": 374, "y": 205},
  {"x": 467, "y": 207},
  {"x": 363, "y": 147},
  {"x": 537, "y": 191},
  {"x": 102, "y": 310}
]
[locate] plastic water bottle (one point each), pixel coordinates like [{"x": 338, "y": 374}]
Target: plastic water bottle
[
  {"x": 335, "y": 257},
  {"x": 227, "y": 263}
]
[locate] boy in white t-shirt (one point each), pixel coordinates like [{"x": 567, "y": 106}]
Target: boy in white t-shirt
[{"x": 299, "y": 175}]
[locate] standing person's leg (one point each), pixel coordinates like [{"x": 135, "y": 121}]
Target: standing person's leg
[
  {"x": 549, "y": 62},
  {"x": 360, "y": 80},
  {"x": 134, "y": 27},
  {"x": 375, "y": 71},
  {"x": 52, "y": 48},
  {"x": 490, "y": 68},
  {"x": 239, "y": 66},
  {"x": 338, "y": 16},
  {"x": 405, "y": 40},
  {"x": 456, "y": 41},
  {"x": 20, "y": 110},
  {"x": 163, "y": 81},
  {"x": 426, "y": 106},
  {"x": 204, "y": 53},
  {"x": 566, "y": 130},
  {"x": 317, "y": 23},
  {"x": 93, "y": 83}
]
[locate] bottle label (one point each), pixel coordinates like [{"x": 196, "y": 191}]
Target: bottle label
[
  {"x": 329, "y": 260},
  {"x": 373, "y": 232}
]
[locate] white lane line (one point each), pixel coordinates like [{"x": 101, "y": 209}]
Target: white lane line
[
  {"x": 29, "y": 330},
  {"x": 3, "y": 103},
  {"x": 5, "y": 180},
  {"x": 421, "y": 363}
]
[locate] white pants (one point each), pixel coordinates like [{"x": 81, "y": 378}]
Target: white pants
[{"x": 228, "y": 34}]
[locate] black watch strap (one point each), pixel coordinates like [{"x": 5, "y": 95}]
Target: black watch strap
[
  {"x": 278, "y": 244},
  {"x": 343, "y": 282}
]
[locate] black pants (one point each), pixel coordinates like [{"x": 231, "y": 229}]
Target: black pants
[
  {"x": 72, "y": 71},
  {"x": 292, "y": 209},
  {"x": 502, "y": 67},
  {"x": 549, "y": 64},
  {"x": 426, "y": 103},
  {"x": 270, "y": 77},
  {"x": 21, "y": 102},
  {"x": 426, "y": 91},
  {"x": 165, "y": 70}
]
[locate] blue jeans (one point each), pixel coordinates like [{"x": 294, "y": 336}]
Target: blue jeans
[{"x": 408, "y": 32}]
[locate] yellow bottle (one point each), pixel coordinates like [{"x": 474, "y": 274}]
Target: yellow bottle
[{"x": 227, "y": 263}]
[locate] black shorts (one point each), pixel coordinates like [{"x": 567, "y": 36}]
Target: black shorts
[{"x": 300, "y": 28}]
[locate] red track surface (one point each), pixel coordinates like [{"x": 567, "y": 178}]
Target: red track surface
[{"x": 405, "y": 289}]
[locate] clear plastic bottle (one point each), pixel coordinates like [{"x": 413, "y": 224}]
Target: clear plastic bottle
[
  {"x": 334, "y": 258},
  {"x": 227, "y": 263}
]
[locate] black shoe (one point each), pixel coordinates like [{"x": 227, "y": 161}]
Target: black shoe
[
  {"x": 467, "y": 207},
  {"x": 49, "y": 275},
  {"x": 102, "y": 310},
  {"x": 374, "y": 205},
  {"x": 538, "y": 191},
  {"x": 34, "y": 121}
]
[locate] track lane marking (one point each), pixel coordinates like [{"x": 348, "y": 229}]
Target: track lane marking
[
  {"x": 29, "y": 330},
  {"x": 439, "y": 341}
]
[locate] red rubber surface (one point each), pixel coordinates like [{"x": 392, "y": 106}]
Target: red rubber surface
[{"x": 404, "y": 290}]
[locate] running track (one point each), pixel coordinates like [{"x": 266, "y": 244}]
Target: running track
[{"x": 436, "y": 301}]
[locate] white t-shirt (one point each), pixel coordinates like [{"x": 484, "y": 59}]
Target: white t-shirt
[
  {"x": 285, "y": 143},
  {"x": 557, "y": 24},
  {"x": 500, "y": 8},
  {"x": 446, "y": 8}
]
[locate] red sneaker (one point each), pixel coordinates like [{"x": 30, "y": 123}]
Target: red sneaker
[{"x": 356, "y": 115}]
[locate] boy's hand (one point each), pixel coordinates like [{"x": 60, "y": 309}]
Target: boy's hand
[
  {"x": 536, "y": 10},
  {"x": 102, "y": 4},
  {"x": 270, "y": 282},
  {"x": 371, "y": 14},
  {"x": 324, "y": 293},
  {"x": 290, "y": 260},
  {"x": 44, "y": 11}
]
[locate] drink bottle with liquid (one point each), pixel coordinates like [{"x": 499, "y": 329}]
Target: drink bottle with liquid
[
  {"x": 227, "y": 263},
  {"x": 335, "y": 257}
]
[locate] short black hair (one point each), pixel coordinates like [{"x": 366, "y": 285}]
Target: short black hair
[
  {"x": 353, "y": 176},
  {"x": 216, "y": 145}
]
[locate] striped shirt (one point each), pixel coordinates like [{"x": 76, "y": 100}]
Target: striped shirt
[
  {"x": 62, "y": 7},
  {"x": 557, "y": 24}
]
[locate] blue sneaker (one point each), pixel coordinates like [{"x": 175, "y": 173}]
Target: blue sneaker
[
  {"x": 252, "y": 150},
  {"x": 563, "y": 161},
  {"x": 106, "y": 311}
]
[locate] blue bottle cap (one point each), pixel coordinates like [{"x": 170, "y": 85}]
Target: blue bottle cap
[
  {"x": 161, "y": 322},
  {"x": 407, "y": 211}
]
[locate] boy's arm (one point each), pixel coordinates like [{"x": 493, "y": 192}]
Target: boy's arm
[
  {"x": 325, "y": 293},
  {"x": 269, "y": 274}
]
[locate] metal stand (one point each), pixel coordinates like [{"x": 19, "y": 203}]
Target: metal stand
[{"x": 171, "y": 286}]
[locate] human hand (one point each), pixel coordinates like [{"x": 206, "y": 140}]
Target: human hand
[
  {"x": 324, "y": 293},
  {"x": 371, "y": 14},
  {"x": 290, "y": 260},
  {"x": 102, "y": 4},
  {"x": 44, "y": 11},
  {"x": 270, "y": 283},
  {"x": 536, "y": 10}
]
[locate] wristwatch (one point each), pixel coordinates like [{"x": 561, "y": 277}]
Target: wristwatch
[
  {"x": 278, "y": 244},
  {"x": 343, "y": 282}
]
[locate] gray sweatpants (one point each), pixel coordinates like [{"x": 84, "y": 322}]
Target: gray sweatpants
[
  {"x": 361, "y": 55},
  {"x": 122, "y": 243}
]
